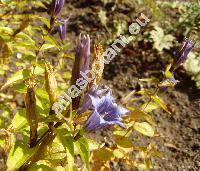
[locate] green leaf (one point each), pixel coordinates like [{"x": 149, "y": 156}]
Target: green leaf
[
  {"x": 119, "y": 153},
  {"x": 2, "y": 143},
  {"x": 149, "y": 80},
  {"x": 19, "y": 75},
  {"x": 152, "y": 5},
  {"x": 42, "y": 101},
  {"x": 6, "y": 30},
  {"x": 56, "y": 151},
  {"x": 50, "y": 40},
  {"x": 22, "y": 75},
  {"x": 122, "y": 132},
  {"x": 137, "y": 114},
  {"x": 39, "y": 4},
  {"x": 26, "y": 40},
  {"x": 19, "y": 121},
  {"x": 59, "y": 168},
  {"x": 102, "y": 155},
  {"x": 124, "y": 142},
  {"x": 25, "y": 54},
  {"x": 19, "y": 154},
  {"x": 66, "y": 75},
  {"x": 20, "y": 88},
  {"x": 67, "y": 141},
  {"x": 149, "y": 107},
  {"x": 160, "y": 102},
  {"x": 168, "y": 74},
  {"x": 120, "y": 27},
  {"x": 144, "y": 128},
  {"x": 47, "y": 46},
  {"x": 83, "y": 148},
  {"x": 40, "y": 167}
]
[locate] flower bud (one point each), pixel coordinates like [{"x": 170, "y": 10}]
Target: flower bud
[
  {"x": 62, "y": 30},
  {"x": 51, "y": 83},
  {"x": 30, "y": 102},
  {"x": 56, "y": 7},
  {"x": 81, "y": 63},
  {"x": 182, "y": 53},
  {"x": 82, "y": 58}
]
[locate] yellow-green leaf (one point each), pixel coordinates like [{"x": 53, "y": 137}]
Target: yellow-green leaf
[
  {"x": 67, "y": 141},
  {"x": 83, "y": 147},
  {"x": 124, "y": 142},
  {"x": 47, "y": 46},
  {"x": 168, "y": 74},
  {"x": 19, "y": 154},
  {"x": 19, "y": 121},
  {"x": 144, "y": 128},
  {"x": 149, "y": 107},
  {"x": 138, "y": 114},
  {"x": 102, "y": 154},
  {"x": 22, "y": 75},
  {"x": 160, "y": 102}
]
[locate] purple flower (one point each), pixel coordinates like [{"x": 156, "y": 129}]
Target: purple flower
[
  {"x": 182, "y": 53},
  {"x": 81, "y": 63},
  {"x": 56, "y": 7},
  {"x": 105, "y": 111},
  {"x": 62, "y": 30},
  {"x": 82, "y": 57},
  {"x": 172, "y": 80},
  {"x": 93, "y": 97},
  {"x": 168, "y": 82}
]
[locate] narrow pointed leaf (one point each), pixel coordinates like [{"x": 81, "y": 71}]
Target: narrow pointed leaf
[{"x": 160, "y": 102}]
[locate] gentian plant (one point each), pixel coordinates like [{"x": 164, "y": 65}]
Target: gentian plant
[{"x": 40, "y": 138}]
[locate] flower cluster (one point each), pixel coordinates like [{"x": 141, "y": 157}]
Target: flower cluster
[
  {"x": 105, "y": 111},
  {"x": 56, "y": 7}
]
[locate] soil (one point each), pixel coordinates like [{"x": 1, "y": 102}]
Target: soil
[{"x": 179, "y": 133}]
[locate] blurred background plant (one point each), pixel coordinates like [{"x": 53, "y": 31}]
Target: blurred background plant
[{"x": 27, "y": 42}]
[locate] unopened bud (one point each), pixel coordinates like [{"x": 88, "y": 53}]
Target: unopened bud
[
  {"x": 30, "y": 102},
  {"x": 51, "y": 83}
]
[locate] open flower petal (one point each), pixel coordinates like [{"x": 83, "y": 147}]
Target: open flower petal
[{"x": 105, "y": 111}]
